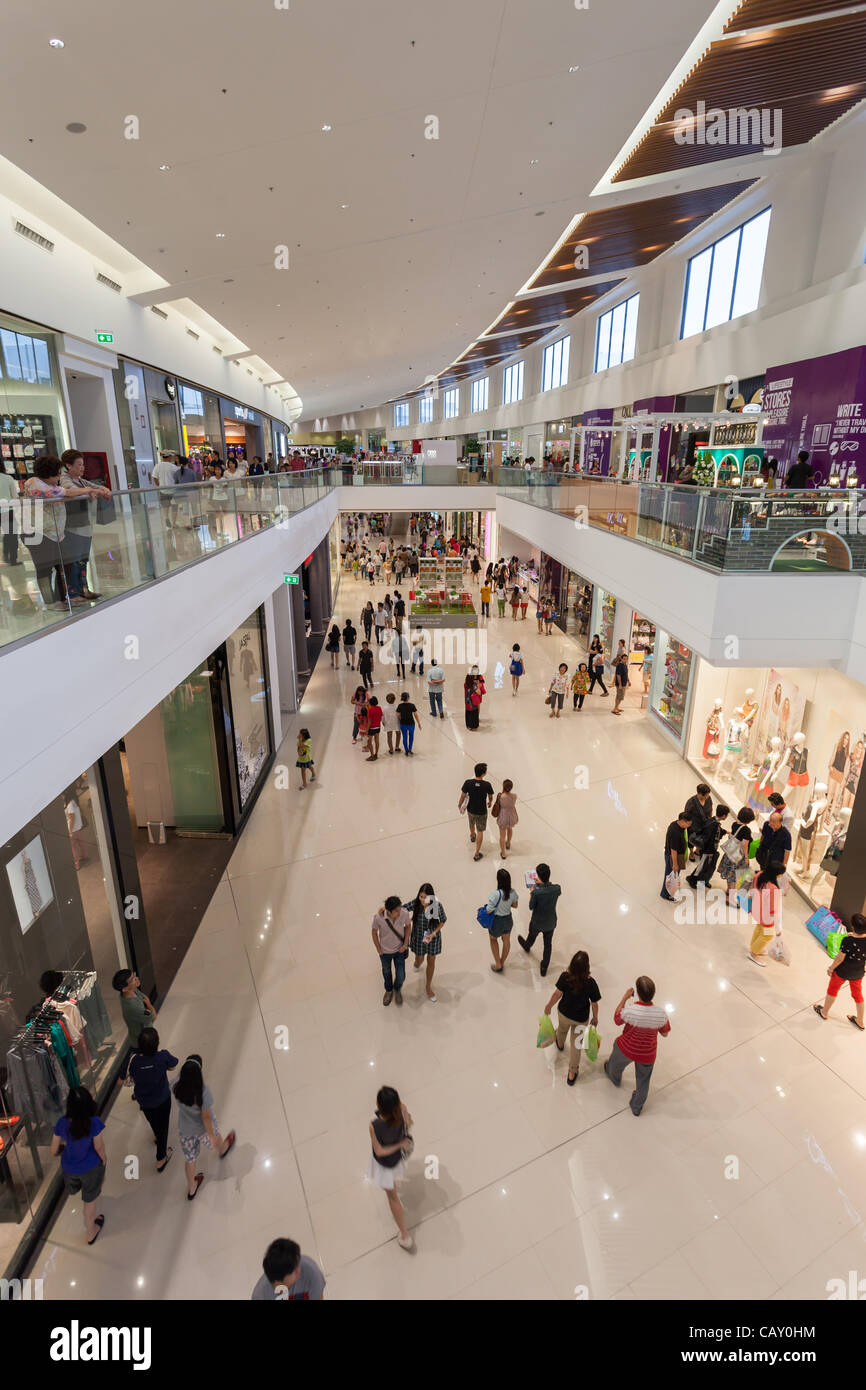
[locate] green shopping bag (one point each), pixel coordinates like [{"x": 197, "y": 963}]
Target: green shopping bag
[
  {"x": 592, "y": 1042},
  {"x": 834, "y": 941},
  {"x": 546, "y": 1031}
]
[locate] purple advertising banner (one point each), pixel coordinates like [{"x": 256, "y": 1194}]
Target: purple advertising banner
[
  {"x": 819, "y": 405},
  {"x": 596, "y": 450},
  {"x": 658, "y": 405}
]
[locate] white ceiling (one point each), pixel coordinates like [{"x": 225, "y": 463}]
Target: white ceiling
[{"x": 437, "y": 236}]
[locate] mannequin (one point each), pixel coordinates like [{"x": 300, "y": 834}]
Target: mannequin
[
  {"x": 736, "y": 731},
  {"x": 838, "y": 768},
  {"x": 713, "y": 737},
  {"x": 796, "y": 761},
  {"x": 829, "y": 866},
  {"x": 808, "y": 824},
  {"x": 749, "y": 707},
  {"x": 766, "y": 776}
]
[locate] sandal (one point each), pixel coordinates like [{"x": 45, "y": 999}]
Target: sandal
[
  {"x": 852, "y": 1019},
  {"x": 819, "y": 1011},
  {"x": 476, "y": 857},
  {"x": 100, "y": 1221},
  {"x": 199, "y": 1179},
  {"x": 231, "y": 1141},
  {"x": 558, "y": 1048},
  {"x": 571, "y": 1078},
  {"x": 497, "y": 969}
]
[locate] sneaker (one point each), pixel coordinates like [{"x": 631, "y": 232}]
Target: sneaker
[
  {"x": 398, "y": 995},
  {"x": 416, "y": 967},
  {"x": 387, "y": 996},
  {"x": 406, "y": 1244},
  {"x": 757, "y": 960}
]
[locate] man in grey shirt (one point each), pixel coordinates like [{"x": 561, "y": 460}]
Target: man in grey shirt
[
  {"x": 542, "y": 905},
  {"x": 435, "y": 687},
  {"x": 391, "y": 929},
  {"x": 289, "y": 1276}
]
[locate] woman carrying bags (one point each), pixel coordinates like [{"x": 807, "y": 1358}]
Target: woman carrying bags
[
  {"x": 425, "y": 939},
  {"x": 499, "y": 905},
  {"x": 576, "y": 994},
  {"x": 766, "y": 906}
]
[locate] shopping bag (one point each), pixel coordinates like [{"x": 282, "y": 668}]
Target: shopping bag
[
  {"x": 834, "y": 942},
  {"x": 592, "y": 1042},
  {"x": 672, "y": 883},
  {"x": 778, "y": 950},
  {"x": 484, "y": 917},
  {"x": 744, "y": 898},
  {"x": 754, "y": 845},
  {"x": 546, "y": 1031}
]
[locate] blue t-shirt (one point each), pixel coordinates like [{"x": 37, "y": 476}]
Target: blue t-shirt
[
  {"x": 149, "y": 1076},
  {"x": 79, "y": 1156}
]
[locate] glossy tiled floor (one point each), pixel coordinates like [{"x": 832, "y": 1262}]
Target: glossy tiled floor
[{"x": 744, "y": 1177}]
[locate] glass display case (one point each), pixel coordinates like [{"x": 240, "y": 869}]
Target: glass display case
[{"x": 671, "y": 681}]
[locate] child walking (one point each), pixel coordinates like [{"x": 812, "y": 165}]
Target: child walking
[{"x": 305, "y": 758}]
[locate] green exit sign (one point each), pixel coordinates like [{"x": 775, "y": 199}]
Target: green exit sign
[
  {"x": 105, "y": 337},
  {"x": 291, "y": 579}
]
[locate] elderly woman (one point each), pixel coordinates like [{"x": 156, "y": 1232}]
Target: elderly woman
[{"x": 79, "y": 532}]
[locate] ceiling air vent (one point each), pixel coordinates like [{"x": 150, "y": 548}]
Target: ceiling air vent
[
  {"x": 29, "y": 233},
  {"x": 194, "y": 336},
  {"x": 159, "y": 313},
  {"x": 109, "y": 284}
]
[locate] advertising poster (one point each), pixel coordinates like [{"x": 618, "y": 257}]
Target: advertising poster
[
  {"x": 782, "y": 713},
  {"x": 30, "y": 882},
  {"x": 596, "y": 450},
  {"x": 843, "y": 746},
  {"x": 657, "y": 405},
  {"x": 819, "y": 405}
]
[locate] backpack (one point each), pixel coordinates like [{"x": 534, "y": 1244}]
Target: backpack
[{"x": 516, "y": 667}]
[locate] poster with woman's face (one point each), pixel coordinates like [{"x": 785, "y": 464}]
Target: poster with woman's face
[
  {"x": 781, "y": 713},
  {"x": 845, "y": 756}
]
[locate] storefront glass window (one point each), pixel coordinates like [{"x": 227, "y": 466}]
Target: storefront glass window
[
  {"x": 671, "y": 679},
  {"x": 605, "y": 612},
  {"x": 32, "y": 421},
  {"x": 61, "y": 940},
  {"x": 190, "y": 747},
  {"x": 201, "y": 423},
  {"x": 249, "y": 696},
  {"x": 643, "y": 641},
  {"x": 131, "y": 396}
]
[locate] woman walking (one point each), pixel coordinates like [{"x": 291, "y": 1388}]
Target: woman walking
[
  {"x": 358, "y": 702},
  {"x": 515, "y": 603},
  {"x": 766, "y": 906},
  {"x": 409, "y": 718},
  {"x": 848, "y": 967},
  {"x": 580, "y": 685},
  {"x": 196, "y": 1122},
  {"x": 500, "y": 903},
  {"x": 576, "y": 994},
  {"x": 596, "y": 676},
  {"x": 425, "y": 939},
  {"x": 471, "y": 701},
  {"x": 148, "y": 1075},
  {"x": 500, "y": 596},
  {"x": 391, "y": 1143},
  {"x": 516, "y": 667},
  {"x": 78, "y": 1139},
  {"x": 524, "y": 604},
  {"x": 540, "y": 606},
  {"x": 504, "y": 812},
  {"x": 333, "y": 646},
  {"x": 367, "y": 616},
  {"x": 549, "y": 616},
  {"x": 556, "y": 693},
  {"x": 391, "y": 722}
]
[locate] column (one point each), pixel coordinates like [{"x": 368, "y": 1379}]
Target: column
[
  {"x": 299, "y": 628},
  {"x": 318, "y": 595}
]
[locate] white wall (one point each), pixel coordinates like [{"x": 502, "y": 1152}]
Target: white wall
[{"x": 73, "y": 693}]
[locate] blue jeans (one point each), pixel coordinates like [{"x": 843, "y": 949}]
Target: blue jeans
[
  {"x": 435, "y": 702},
  {"x": 485, "y": 609},
  {"x": 397, "y": 959},
  {"x": 408, "y": 732}
]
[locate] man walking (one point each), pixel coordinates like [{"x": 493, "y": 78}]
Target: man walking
[
  {"x": 620, "y": 679},
  {"x": 642, "y": 1023},
  {"x": 350, "y": 637},
  {"x": 676, "y": 851},
  {"x": 399, "y": 610},
  {"x": 476, "y": 796},
  {"x": 365, "y": 665},
  {"x": 435, "y": 687},
  {"x": 418, "y": 651},
  {"x": 391, "y": 929},
  {"x": 542, "y": 922}
]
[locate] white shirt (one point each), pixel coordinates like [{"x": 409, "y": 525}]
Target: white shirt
[
  {"x": 8, "y": 487},
  {"x": 165, "y": 473}
]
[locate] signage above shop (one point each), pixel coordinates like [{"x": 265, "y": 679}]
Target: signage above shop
[
  {"x": 740, "y": 433},
  {"x": 105, "y": 337}
]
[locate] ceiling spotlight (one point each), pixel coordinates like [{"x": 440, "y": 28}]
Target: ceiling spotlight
[
  {"x": 220, "y": 234},
  {"x": 164, "y": 168},
  {"x": 56, "y": 43},
  {"x": 344, "y": 206},
  {"x": 533, "y": 161},
  {"x": 326, "y": 128},
  {"x": 76, "y": 127},
  {"x": 576, "y": 68}
]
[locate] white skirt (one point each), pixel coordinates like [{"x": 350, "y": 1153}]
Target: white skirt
[{"x": 383, "y": 1177}]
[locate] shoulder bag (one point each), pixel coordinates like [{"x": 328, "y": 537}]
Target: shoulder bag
[{"x": 484, "y": 917}]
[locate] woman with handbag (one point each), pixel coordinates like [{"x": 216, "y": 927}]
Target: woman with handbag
[
  {"x": 504, "y": 812},
  {"x": 556, "y": 692},
  {"x": 428, "y": 919},
  {"x": 766, "y": 906},
  {"x": 576, "y": 993},
  {"x": 498, "y": 909},
  {"x": 734, "y": 846},
  {"x": 471, "y": 701},
  {"x": 392, "y": 1144}
]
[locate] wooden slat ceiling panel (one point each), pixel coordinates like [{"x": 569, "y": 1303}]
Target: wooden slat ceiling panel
[
  {"x": 551, "y": 308},
  {"x": 754, "y": 14},
  {"x": 634, "y": 233},
  {"x": 512, "y": 342},
  {"x": 813, "y": 73}
]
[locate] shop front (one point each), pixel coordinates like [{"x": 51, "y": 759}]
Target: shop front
[
  {"x": 671, "y": 683},
  {"x": 244, "y": 432},
  {"x": 572, "y": 597},
  {"x": 798, "y": 732},
  {"x": 32, "y": 417},
  {"x": 201, "y": 424}
]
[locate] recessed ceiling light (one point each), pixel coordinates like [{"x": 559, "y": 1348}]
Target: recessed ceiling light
[
  {"x": 164, "y": 168},
  {"x": 326, "y": 128},
  {"x": 220, "y": 234},
  {"x": 533, "y": 161},
  {"x": 344, "y": 206},
  {"x": 56, "y": 43},
  {"x": 576, "y": 68},
  {"x": 76, "y": 127}
]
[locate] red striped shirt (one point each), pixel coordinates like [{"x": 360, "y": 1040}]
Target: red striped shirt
[{"x": 643, "y": 1023}]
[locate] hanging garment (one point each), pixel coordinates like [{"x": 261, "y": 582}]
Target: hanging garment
[
  {"x": 30, "y": 886},
  {"x": 64, "y": 1054}
]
